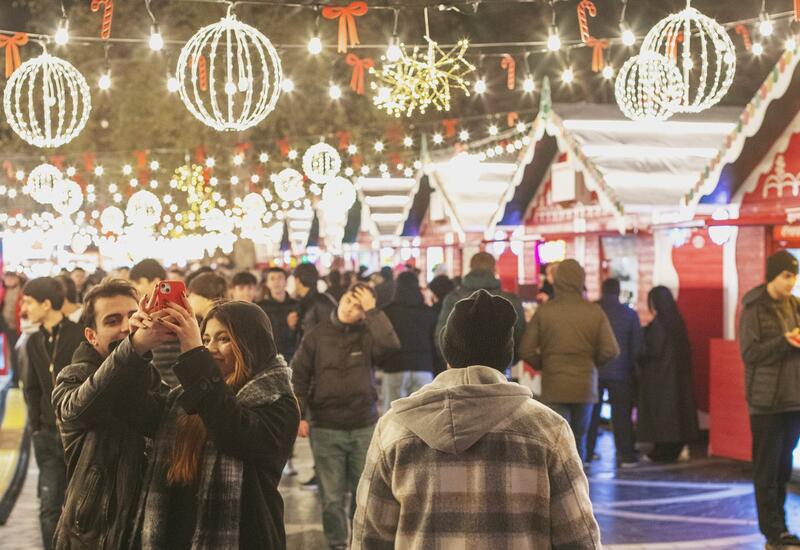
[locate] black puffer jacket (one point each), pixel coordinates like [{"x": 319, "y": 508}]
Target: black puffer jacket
[
  {"x": 414, "y": 322},
  {"x": 104, "y": 408},
  {"x": 770, "y": 385},
  {"x": 314, "y": 308},
  {"x": 333, "y": 374}
]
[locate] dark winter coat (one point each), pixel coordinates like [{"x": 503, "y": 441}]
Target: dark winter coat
[
  {"x": 313, "y": 308},
  {"x": 475, "y": 280},
  {"x": 568, "y": 338},
  {"x": 105, "y": 408},
  {"x": 285, "y": 338},
  {"x": 332, "y": 371},
  {"x": 250, "y": 436},
  {"x": 38, "y": 379},
  {"x": 667, "y": 409},
  {"x": 414, "y": 322},
  {"x": 771, "y": 363},
  {"x": 628, "y": 332}
]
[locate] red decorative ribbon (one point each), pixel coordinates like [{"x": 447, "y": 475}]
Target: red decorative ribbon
[
  {"x": 242, "y": 148},
  {"x": 359, "y": 65},
  {"x": 283, "y": 145},
  {"x": 512, "y": 118},
  {"x": 585, "y": 6},
  {"x": 745, "y": 34},
  {"x": 450, "y": 126},
  {"x": 356, "y": 162},
  {"x": 344, "y": 139},
  {"x": 200, "y": 154},
  {"x": 108, "y": 15},
  {"x": 347, "y": 22},
  {"x": 141, "y": 166},
  {"x": 88, "y": 161},
  {"x": 12, "y": 44},
  {"x": 508, "y": 63},
  {"x": 58, "y": 161},
  {"x": 394, "y": 133},
  {"x": 598, "y": 59}
]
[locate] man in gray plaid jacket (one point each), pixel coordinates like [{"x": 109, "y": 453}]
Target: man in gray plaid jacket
[{"x": 471, "y": 460}]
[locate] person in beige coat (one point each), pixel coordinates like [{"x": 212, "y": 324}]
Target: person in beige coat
[{"x": 567, "y": 339}]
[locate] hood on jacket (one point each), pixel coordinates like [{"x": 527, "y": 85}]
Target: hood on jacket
[
  {"x": 756, "y": 294},
  {"x": 479, "y": 279},
  {"x": 459, "y": 407},
  {"x": 570, "y": 278}
]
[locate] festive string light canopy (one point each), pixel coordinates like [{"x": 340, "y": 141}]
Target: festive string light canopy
[
  {"x": 42, "y": 182},
  {"x": 646, "y": 84},
  {"x": 47, "y": 101},
  {"x": 229, "y": 75},
  {"x": 321, "y": 162},
  {"x": 702, "y": 50}
]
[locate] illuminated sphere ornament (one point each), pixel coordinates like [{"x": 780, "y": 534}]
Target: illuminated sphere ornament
[
  {"x": 703, "y": 52},
  {"x": 321, "y": 162},
  {"x": 339, "y": 193},
  {"x": 42, "y": 182},
  {"x": 229, "y": 75},
  {"x": 112, "y": 219},
  {"x": 144, "y": 209},
  {"x": 68, "y": 197},
  {"x": 646, "y": 85},
  {"x": 289, "y": 185},
  {"x": 47, "y": 101}
]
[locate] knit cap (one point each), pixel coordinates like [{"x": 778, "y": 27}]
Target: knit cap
[
  {"x": 480, "y": 331},
  {"x": 779, "y": 262}
]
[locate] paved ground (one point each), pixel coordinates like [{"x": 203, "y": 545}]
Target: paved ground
[{"x": 700, "y": 504}]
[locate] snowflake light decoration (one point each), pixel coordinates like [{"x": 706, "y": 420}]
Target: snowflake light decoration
[{"x": 421, "y": 80}]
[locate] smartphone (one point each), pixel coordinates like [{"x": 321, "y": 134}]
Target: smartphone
[{"x": 165, "y": 292}]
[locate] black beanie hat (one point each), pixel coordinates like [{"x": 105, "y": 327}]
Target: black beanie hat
[
  {"x": 779, "y": 262},
  {"x": 480, "y": 331}
]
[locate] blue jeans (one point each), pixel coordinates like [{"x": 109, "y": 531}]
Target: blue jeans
[
  {"x": 396, "y": 385},
  {"x": 339, "y": 457},
  {"x": 579, "y": 416}
]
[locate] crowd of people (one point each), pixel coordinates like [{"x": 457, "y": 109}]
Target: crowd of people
[{"x": 171, "y": 426}]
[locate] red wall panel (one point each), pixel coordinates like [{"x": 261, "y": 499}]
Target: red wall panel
[{"x": 730, "y": 423}]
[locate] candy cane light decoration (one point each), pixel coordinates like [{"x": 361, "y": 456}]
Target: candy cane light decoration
[
  {"x": 706, "y": 57},
  {"x": 242, "y": 77},
  {"x": 47, "y": 101}
]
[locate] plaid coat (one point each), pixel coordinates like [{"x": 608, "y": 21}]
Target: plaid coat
[{"x": 472, "y": 461}]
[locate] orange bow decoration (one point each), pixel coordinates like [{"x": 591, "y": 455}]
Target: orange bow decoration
[
  {"x": 200, "y": 154},
  {"x": 510, "y": 66},
  {"x": 450, "y": 126},
  {"x": 745, "y": 34},
  {"x": 108, "y": 15},
  {"x": 12, "y": 44},
  {"x": 283, "y": 145},
  {"x": 585, "y": 6},
  {"x": 598, "y": 59},
  {"x": 58, "y": 161},
  {"x": 359, "y": 65},
  {"x": 242, "y": 148},
  {"x": 347, "y": 22},
  {"x": 344, "y": 139},
  {"x": 512, "y": 118}
]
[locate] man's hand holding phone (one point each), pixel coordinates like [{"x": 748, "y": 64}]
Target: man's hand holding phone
[{"x": 148, "y": 332}]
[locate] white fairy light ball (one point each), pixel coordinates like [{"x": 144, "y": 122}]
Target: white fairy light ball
[
  {"x": 42, "y": 182},
  {"x": 47, "y": 101},
  {"x": 339, "y": 192},
  {"x": 242, "y": 80},
  {"x": 68, "y": 197},
  {"x": 112, "y": 219},
  {"x": 321, "y": 162},
  {"x": 703, "y": 52},
  {"x": 646, "y": 85},
  {"x": 143, "y": 209},
  {"x": 289, "y": 185}
]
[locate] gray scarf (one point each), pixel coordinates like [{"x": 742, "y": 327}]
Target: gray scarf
[{"x": 220, "y": 482}]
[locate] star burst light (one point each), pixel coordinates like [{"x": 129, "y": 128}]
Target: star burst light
[{"x": 420, "y": 80}]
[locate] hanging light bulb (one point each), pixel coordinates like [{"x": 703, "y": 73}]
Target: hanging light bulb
[
  {"x": 757, "y": 48},
  {"x": 480, "y": 86},
  {"x": 335, "y": 92},
  {"x": 463, "y": 135},
  {"x": 628, "y": 38},
  {"x": 528, "y": 85},
  {"x": 62, "y": 33},
  {"x": 765, "y": 26},
  {"x": 393, "y": 52},
  {"x": 156, "y": 41},
  {"x": 568, "y": 76},
  {"x": 314, "y": 45},
  {"x": 287, "y": 85},
  {"x": 608, "y": 72},
  {"x": 352, "y": 149},
  {"x": 378, "y": 146},
  {"x": 493, "y": 130},
  {"x": 437, "y": 138},
  {"x": 210, "y": 162},
  {"x": 553, "y": 40},
  {"x": 263, "y": 157},
  {"x": 408, "y": 141},
  {"x": 172, "y": 84},
  {"x": 104, "y": 82},
  {"x": 790, "y": 44}
]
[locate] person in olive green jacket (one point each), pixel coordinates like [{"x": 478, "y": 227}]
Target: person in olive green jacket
[{"x": 567, "y": 339}]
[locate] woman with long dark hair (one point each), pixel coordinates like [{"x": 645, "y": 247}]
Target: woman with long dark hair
[
  {"x": 226, "y": 434},
  {"x": 667, "y": 409}
]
